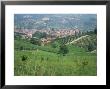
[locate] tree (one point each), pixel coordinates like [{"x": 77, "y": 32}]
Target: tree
[
  {"x": 91, "y": 47},
  {"x": 21, "y": 48},
  {"x": 63, "y": 50},
  {"x": 39, "y": 35},
  {"x": 52, "y": 29},
  {"x": 80, "y": 33},
  {"x": 95, "y": 30},
  {"x": 35, "y": 41},
  {"x": 24, "y": 57},
  {"x": 55, "y": 44}
]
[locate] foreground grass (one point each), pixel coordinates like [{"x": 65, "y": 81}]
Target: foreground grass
[{"x": 42, "y": 63}]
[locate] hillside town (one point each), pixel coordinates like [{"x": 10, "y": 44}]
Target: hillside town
[{"x": 51, "y": 33}]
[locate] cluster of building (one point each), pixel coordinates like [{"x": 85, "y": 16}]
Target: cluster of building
[
  {"x": 51, "y": 33},
  {"x": 60, "y": 32},
  {"x": 25, "y": 33}
]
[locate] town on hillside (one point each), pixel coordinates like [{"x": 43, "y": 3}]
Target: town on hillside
[{"x": 51, "y": 34}]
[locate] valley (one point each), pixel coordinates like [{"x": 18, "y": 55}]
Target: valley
[{"x": 55, "y": 45}]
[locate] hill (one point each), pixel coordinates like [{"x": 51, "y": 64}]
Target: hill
[
  {"x": 84, "y": 22},
  {"x": 89, "y": 42}
]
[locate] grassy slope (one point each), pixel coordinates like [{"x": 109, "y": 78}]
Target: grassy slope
[
  {"x": 24, "y": 44},
  {"x": 71, "y": 64}
]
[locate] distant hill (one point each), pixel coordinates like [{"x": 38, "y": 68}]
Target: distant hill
[{"x": 84, "y": 22}]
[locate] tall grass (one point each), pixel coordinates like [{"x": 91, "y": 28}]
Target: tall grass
[{"x": 42, "y": 63}]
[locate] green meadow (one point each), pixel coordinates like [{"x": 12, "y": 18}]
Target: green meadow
[{"x": 78, "y": 62}]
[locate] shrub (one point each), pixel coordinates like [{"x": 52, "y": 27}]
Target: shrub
[
  {"x": 63, "y": 50},
  {"x": 21, "y": 48},
  {"x": 42, "y": 58},
  {"x": 24, "y": 57}
]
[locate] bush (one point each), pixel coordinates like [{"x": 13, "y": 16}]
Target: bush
[
  {"x": 55, "y": 44},
  {"x": 24, "y": 57},
  {"x": 21, "y": 48},
  {"x": 63, "y": 50}
]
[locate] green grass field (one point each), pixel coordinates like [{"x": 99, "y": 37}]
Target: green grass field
[{"x": 77, "y": 62}]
